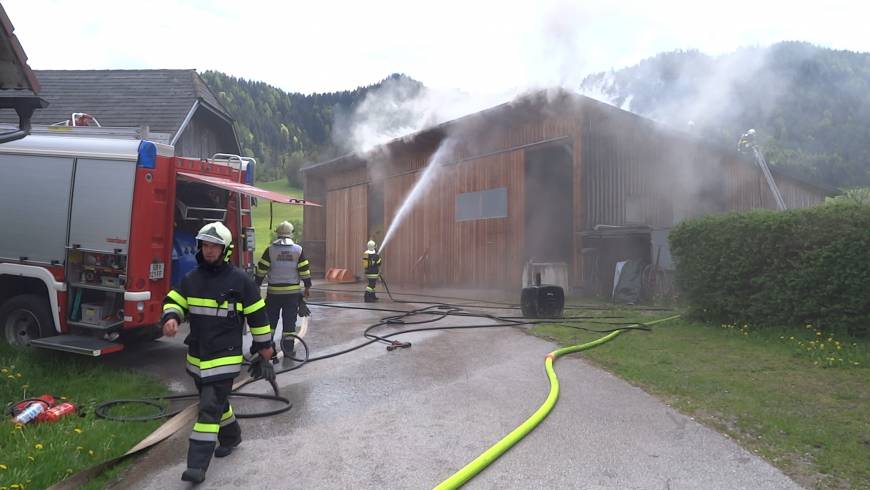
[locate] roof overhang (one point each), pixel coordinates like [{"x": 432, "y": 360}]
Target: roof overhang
[{"x": 245, "y": 189}]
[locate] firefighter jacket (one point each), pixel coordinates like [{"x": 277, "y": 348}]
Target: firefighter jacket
[
  {"x": 372, "y": 264},
  {"x": 216, "y": 300},
  {"x": 285, "y": 264}
]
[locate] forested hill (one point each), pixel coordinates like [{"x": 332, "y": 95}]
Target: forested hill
[
  {"x": 285, "y": 130},
  {"x": 809, "y": 105}
]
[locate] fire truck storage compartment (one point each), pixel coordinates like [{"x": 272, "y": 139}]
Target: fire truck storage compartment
[
  {"x": 97, "y": 282},
  {"x": 34, "y": 199},
  {"x": 195, "y": 205},
  {"x": 102, "y": 204}
]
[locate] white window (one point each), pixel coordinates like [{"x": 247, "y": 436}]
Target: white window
[{"x": 491, "y": 203}]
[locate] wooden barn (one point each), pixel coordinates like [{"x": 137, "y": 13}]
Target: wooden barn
[{"x": 550, "y": 178}]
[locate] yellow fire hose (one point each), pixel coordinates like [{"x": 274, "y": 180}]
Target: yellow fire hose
[{"x": 470, "y": 470}]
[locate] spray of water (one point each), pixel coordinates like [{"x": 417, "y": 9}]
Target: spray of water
[{"x": 428, "y": 176}]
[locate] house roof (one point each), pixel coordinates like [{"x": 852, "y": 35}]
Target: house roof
[
  {"x": 527, "y": 105},
  {"x": 159, "y": 99}
]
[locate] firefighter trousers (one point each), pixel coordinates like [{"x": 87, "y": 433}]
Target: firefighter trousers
[
  {"x": 215, "y": 423},
  {"x": 287, "y": 307}
]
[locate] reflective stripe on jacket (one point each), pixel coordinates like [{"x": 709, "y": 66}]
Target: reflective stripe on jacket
[
  {"x": 285, "y": 264},
  {"x": 372, "y": 264},
  {"x": 217, "y": 301}
]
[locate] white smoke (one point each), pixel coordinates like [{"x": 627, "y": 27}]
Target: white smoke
[{"x": 400, "y": 108}]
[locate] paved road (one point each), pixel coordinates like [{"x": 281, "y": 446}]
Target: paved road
[{"x": 412, "y": 417}]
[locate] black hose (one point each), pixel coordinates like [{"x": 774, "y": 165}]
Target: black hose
[{"x": 437, "y": 311}]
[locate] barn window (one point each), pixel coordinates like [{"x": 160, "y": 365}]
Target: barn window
[{"x": 491, "y": 203}]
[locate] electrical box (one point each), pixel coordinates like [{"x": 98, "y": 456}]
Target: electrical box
[{"x": 250, "y": 239}]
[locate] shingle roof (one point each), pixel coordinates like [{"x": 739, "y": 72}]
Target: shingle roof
[{"x": 159, "y": 99}]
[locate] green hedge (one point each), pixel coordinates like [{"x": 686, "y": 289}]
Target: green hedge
[{"x": 778, "y": 268}]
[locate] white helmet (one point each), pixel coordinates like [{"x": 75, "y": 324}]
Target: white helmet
[
  {"x": 215, "y": 232},
  {"x": 284, "y": 229},
  {"x": 371, "y": 245}
]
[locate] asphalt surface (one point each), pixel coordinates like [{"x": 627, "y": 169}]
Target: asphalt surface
[{"x": 410, "y": 418}]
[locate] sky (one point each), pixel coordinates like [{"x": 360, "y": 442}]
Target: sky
[{"x": 478, "y": 47}]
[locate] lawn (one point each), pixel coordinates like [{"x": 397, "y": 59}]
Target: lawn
[
  {"x": 800, "y": 399},
  {"x": 38, "y": 455},
  {"x": 281, "y": 212}
]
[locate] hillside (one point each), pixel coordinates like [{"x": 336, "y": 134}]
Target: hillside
[
  {"x": 809, "y": 105},
  {"x": 285, "y": 130}
]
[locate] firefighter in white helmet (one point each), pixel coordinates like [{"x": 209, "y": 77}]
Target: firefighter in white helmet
[
  {"x": 372, "y": 266},
  {"x": 285, "y": 265},
  {"x": 216, "y": 298}
]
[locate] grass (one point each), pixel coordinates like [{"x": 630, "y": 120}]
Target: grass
[
  {"x": 39, "y": 455},
  {"x": 798, "y": 398},
  {"x": 281, "y": 212}
]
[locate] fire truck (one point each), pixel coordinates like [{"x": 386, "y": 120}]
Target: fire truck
[{"x": 95, "y": 230}]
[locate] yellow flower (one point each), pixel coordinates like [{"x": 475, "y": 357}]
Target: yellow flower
[
  {"x": 38, "y": 445},
  {"x": 2, "y": 467},
  {"x": 31, "y": 458},
  {"x": 17, "y": 375},
  {"x": 91, "y": 452},
  {"x": 818, "y": 334},
  {"x": 77, "y": 430},
  {"x": 19, "y": 426},
  {"x": 79, "y": 448},
  {"x": 4, "y": 370}
]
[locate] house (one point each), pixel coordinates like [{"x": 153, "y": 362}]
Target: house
[
  {"x": 550, "y": 178},
  {"x": 17, "y": 77},
  {"x": 170, "y": 106}
]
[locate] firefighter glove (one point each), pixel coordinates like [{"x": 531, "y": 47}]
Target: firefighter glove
[{"x": 303, "y": 309}]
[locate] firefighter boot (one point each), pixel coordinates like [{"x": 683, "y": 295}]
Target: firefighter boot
[
  {"x": 288, "y": 344},
  {"x": 224, "y": 451},
  {"x": 193, "y": 475},
  {"x": 369, "y": 297}
]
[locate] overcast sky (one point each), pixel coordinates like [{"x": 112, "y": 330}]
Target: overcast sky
[{"x": 480, "y": 47}]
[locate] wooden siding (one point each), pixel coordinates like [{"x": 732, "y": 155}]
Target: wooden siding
[
  {"x": 432, "y": 249},
  {"x": 314, "y": 231},
  {"x": 346, "y": 231},
  {"x": 627, "y": 170},
  {"x": 205, "y": 135}
]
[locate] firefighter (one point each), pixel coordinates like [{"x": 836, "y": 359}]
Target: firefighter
[
  {"x": 216, "y": 298},
  {"x": 372, "y": 265},
  {"x": 285, "y": 265}
]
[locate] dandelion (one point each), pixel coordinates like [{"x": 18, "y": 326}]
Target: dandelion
[
  {"x": 19, "y": 426},
  {"x": 17, "y": 375},
  {"x": 31, "y": 458},
  {"x": 77, "y": 430},
  {"x": 91, "y": 452},
  {"x": 3, "y": 467},
  {"x": 38, "y": 445},
  {"x": 4, "y": 370}
]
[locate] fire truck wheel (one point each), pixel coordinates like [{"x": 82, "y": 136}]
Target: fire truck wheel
[{"x": 24, "y": 318}]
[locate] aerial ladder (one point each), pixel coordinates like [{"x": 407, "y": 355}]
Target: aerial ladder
[{"x": 747, "y": 144}]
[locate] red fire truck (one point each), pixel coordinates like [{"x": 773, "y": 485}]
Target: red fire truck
[{"x": 94, "y": 231}]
